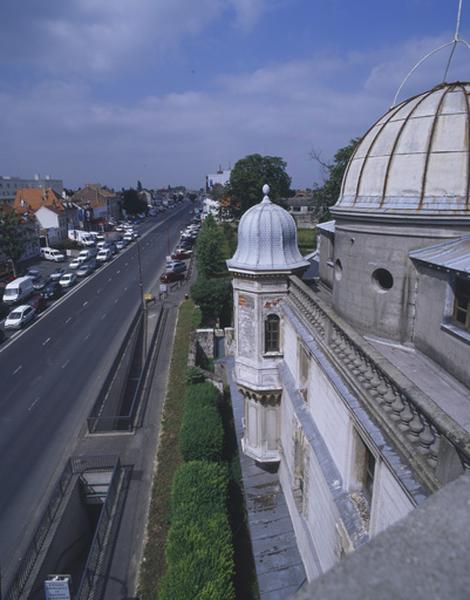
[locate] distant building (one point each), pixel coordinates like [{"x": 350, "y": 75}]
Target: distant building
[
  {"x": 302, "y": 208},
  {"x": 47, "y": 208},
  {"x": 9, "y": 186},
  {"x": 220, "y": 178},
  {"x": 99, "y": 201},
  {"x": 357, "y": 385}
]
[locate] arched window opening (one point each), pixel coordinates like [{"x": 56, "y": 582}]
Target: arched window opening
[{"x": 271, "y": 333}]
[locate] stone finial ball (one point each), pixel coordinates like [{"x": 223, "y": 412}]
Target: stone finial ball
[{"x": 266, "y": 189}]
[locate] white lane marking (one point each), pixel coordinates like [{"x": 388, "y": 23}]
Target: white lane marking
[
  {"x": 109, "y": 279},
  {"x": 68, "y": 320},
  {"x": 125, "y": 264},
  {"x": 66, "y": 363},
  {"x": 98, "y": 291},
  {"x": 86, "y": 337},
  {"x": 103, "y": 316},
  {"x": 116, "y": 300},
  {"x": 118, "y": 271},
  {"x": 17, "y": 370},
  {"x": 34, "y": 402},
  {"x": 46, "y": 341},
  {"x": 85, "y": 303},
  {"x": 125, "y": 289}
]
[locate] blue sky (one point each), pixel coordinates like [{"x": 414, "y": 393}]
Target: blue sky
[{"x": 166, "y": 90}]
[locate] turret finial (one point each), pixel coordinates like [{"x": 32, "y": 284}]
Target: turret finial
[{"x": 266, "y": 189}]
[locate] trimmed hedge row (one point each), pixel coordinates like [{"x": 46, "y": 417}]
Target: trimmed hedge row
[
  {"x": 202, "y": 432},
  {"x": 199, "y": 549}
]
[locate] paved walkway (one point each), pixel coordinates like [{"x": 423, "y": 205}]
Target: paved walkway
[{"x": 279, "y": 568}]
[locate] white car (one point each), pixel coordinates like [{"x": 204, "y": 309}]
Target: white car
[
  {"x": 103, "y": 255},
  {"x": 75, "y": 263},
  {"x": 128, "y": 238},
  {"x": 68, "y": 280},
  {"x": 19, "y": 317}
]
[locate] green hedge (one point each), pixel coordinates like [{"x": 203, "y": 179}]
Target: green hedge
[
  {"x": 199, "y": 549},
  {"x": 199, "y": 490},
  {"x": 202, "y": 433},
  {"x": 202, "y": 392}
]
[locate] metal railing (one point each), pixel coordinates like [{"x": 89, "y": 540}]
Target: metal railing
[
  {"x": 423, "y": 432},
  {"x": 93, "y": 579},
  {"x": 74, "y": 466},
  {"x": 126, "y": 422}
]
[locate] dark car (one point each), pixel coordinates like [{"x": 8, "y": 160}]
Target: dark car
[
  {"x": 181, "y": 254},
  {"x": 171, "y": 276},
  {"x": 37, "y": 302},
  {"x": 39, "y": 284},
  {"x": 52, "y": 291},
  {"x": 33, "y": 274}
]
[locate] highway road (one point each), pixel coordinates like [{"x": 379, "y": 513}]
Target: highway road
[{"x": 51, "y": 373}]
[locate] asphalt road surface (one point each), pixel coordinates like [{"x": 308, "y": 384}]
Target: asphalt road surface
[{"x": 51, "y": 373}]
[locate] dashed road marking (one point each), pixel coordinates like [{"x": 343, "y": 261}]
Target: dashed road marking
[
  {"x": 103, "y": 316},
  {"x": 85, "y": 303},
  {"x": 118, "y": 271},
  {"x": 116, "y": 300},
  {"x": 98, "y": 291},
  {"x": 125, "y": 289},
  {"x": 17, "y": 370},
  {"x": 46, "y": 341},
  {"x": 86, "y": 337},
  {"x": 68, "y": 320},
  {"x": 65, "y": 363},
  {"x": 109, "y": 279},
  {"x": 34, "y": 402}
]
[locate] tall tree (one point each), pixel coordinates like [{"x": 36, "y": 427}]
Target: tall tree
[
  {"x": 327, "y": 194},
  {"x": 250, "y": 174},
  {"x": 132, "y": 203},
  {"x": 13, "y": 236},
  {"x": 210, "y": 244}
]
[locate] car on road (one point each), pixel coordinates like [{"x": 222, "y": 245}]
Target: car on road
[
  {"x": 177, "y": 266},
  {"x": 57, "y": 274},
  {"x": 68, "y": 280},
  {"x": 51, "y": 254},
  {"x": 128, "y": 238},
  {"x": 171, "y": 276},
  {"x": 39, "y": 284},
  {"x": 103, "y": 255},
  {"x": 74, "y": 264},
  {"x": 85, "y": 255},
  {"x": 85, "y": 269},
  {"x": 20, "y": 316},
  {"x": 37, "y": 302},
  {"x": 33, "y": 274},
  {"x": 120, "y": 245},
  {"x": 52, "y": 291}
]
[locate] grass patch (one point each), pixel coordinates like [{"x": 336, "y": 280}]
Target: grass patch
[
  {"x": 169, "y": 458},
  {"x": 307, "y": 240}
]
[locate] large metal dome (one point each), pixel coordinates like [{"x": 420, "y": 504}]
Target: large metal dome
[
  {"x": 267, "y": 240},
  {"x": 415, "y": 160}
]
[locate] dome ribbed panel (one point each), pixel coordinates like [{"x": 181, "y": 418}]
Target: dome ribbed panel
[
  {"x": 415, "y": 159},
  {"x": 267, "y": 240}
]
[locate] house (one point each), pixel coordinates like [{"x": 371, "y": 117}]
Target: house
[
  {"x": 100, "y": 202},
  {"x": 302, "y": 207},
  {"x": 356, "y": 387},
  {"x": 47, "y": 208}
]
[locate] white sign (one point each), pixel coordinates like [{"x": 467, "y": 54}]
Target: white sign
[
  {"x": 163, "y": 288},
  {"x": 57, "y": 589}
]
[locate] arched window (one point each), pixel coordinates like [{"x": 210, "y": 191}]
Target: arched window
[{"x": 271, "y": 333}]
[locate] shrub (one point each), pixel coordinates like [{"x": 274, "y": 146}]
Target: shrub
[
  {"x": 194, "y": 375},
  {"x": 214, "y": 297},
  {"x": 203, "y": 393},
  {"x": 199, "y": 490},
  {"x": 202, "y": 432}
]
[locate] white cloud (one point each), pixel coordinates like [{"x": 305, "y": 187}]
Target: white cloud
[{"x": 282, "y": 109}]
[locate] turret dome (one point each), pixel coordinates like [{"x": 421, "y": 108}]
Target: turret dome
[
  {"x": 414, "y": 161},
  {"x": 267, "y": 240}
]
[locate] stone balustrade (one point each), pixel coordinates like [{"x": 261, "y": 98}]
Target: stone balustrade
[{"x": 435, "y": 446}]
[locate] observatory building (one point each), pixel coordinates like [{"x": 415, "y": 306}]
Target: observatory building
[{"x": 357, "y": 386}]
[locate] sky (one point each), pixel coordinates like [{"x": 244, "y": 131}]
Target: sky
[{"x": 165, "y": 91}]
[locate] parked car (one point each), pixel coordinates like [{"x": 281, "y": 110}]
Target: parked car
[
  {"x": 181, "y": 254},
  {"x": 177, "y": 266},
  {"x": 18, "y": 290},
  {"x": 68, "y": 280},
  {"x": 120, "y": 245},
  {"x": 128, "y": 238},
  {"x": 74, "y": 264},
  {"x": 171, "y": 276},
  {"x": 85, "y": 269},
  {"x": 57, "y": 274},
  {"x": 52, "y": 254},
  {"x": 20, "y": 316},
  {"x": 52, "y": 291},
  {"x": 39, "y": 284},
  {"x": 37, "y": 302}
]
